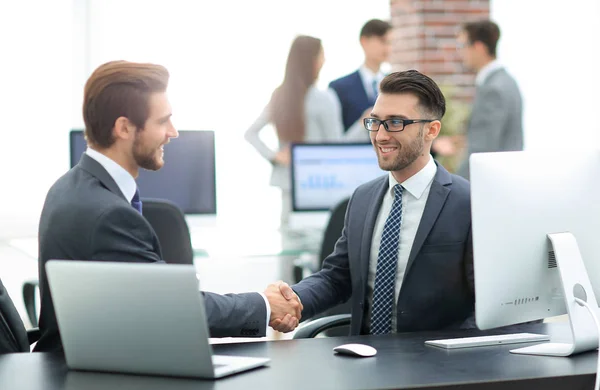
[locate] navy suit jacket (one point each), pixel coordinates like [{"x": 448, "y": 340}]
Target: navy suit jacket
[
  {"x": 86, "y": 217},
  {"x": 352, "y": 96},
  {"x": 438, "y": 287}
]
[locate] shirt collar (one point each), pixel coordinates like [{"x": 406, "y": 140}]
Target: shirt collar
[
  {"x": 368, "y": 75},
  {"x": 417, "y": 183},
  {"x": 486, "y": 71},
  {"x": 124, "y": 180}
]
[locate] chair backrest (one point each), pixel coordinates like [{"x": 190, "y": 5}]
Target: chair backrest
[
  {"x": 333, "y": 232},
  {"x": 172, "y": 230},
  {"x": 13, "y": 337},
  {"x": 334, "y": 228}
]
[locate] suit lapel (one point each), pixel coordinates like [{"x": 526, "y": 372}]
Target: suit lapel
[
  {"x": 440, "y": 188},
  {"x": 95, "y": 169},
  {"x": 377, "y": 194}
]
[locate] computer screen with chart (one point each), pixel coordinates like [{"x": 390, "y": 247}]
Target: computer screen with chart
[
  {"x": 325, "y": 174},
  {"x": 187, "y": 177}
]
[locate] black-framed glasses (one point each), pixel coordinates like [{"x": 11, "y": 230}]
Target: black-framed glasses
[{"x": 391, "y": 125}]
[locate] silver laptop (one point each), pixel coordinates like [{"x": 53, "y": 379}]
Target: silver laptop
[{"x": 136, "y": 318}]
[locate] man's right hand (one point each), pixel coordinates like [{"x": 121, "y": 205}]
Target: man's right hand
[{"x": 286, "y": 309}]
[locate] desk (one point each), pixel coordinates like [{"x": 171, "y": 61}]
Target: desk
[{"x": 402, "y": 362}]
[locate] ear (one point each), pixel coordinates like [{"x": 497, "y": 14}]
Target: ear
[
  {"x": 433, "y": 131},
  {"x": 480, "y": 47},
  {"x": 123, "y": 128},
  {"x": 363, "y": 41}
]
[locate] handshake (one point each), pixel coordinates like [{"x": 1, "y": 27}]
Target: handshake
[{"x": 286, "y": 308}]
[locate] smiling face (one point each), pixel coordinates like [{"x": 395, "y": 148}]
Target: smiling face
[
  {"x": 405, "y": 152},
  {"x": 147, "y": 149}
]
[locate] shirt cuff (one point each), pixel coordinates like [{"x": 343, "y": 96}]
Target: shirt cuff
[{"x": 268, "y": 310}]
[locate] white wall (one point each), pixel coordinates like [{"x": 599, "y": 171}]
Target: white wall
[
  {"x": 553, "y": 49},
  {"x": 225, "y": 59},
  {"x": 35, "y": 105}
]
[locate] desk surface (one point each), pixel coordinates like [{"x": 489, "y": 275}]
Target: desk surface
[{"x": 402, "y": 362}]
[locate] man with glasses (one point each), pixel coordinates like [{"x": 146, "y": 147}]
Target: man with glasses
[
  {"x": 405, "y": 257},
  {"x": 496, "y": 123}
]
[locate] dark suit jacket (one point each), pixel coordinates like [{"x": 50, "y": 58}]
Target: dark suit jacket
[
  {"x": 86, "y": 217},
  {"x": 438, "y": 289},
  {"x": 353, "y": 97}
]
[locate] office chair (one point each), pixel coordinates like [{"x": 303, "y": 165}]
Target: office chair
[
  {"x": 13, "y": 336},
  {"x": 329, "y": 326},
  {"x": 168, "y": 221},
  {"x": 332, "y": 233}
]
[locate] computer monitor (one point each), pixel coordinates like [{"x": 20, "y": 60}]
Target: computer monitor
[
  {"x": 532, "y": 215},
  {"x": 325, "y": 174},
  {"x": 187, "y": 177}
]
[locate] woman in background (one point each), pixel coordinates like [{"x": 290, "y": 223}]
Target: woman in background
[{"x": 300, "y": 113}]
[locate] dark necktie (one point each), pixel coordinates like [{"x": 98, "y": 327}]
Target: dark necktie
[
  {"x": 387, "y": 262},
  {"x": 136, "y": 201}
]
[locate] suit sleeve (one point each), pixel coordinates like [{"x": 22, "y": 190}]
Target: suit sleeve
[
  {"x": 122, "y": 234},
  {"x": 332, "y": 285},
  {"x": 488, "y": 122},
  {"x": 236, "y": 315},
  {"x": 470, "y": 322}
]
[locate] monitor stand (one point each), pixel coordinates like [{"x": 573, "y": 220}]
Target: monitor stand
[{"x": 576, "y": 284}]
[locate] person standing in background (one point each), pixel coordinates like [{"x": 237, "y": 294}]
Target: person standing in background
[
  {"x": 496, "y": 123},
  {"x": 358, "y": 91},
  {"x": 300, "y": 113}
]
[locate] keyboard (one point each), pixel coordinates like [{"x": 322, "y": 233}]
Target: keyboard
[{"x": 482, "y": 341}]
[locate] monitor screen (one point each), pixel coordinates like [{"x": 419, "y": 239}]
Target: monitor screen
[
  {"x": 518, "y": 199},
  {"x": 187, "y": 178},
  {"x": 325, "y": 174}
]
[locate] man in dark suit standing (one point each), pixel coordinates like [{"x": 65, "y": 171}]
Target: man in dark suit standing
[
  {"x": 405, "y": 257},
  {"x": 496, "y": 123},
  {"x": 93, "y": 212},
  {"x": 358, "y": 91}
]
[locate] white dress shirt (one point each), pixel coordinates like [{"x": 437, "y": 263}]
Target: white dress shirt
[
  {"x": 367, "y": 76},
  {"x": 414, "y": 196},
  {"x": 127, "y": 185},
  {"x": 124, "y": 180},
  {"x": 485, "y": 72}
]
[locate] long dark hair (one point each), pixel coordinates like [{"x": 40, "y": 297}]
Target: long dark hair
[{"x": 287, "y": 102}]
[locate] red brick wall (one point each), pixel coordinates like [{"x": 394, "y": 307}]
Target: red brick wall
[{"x": 425, "y": 39}]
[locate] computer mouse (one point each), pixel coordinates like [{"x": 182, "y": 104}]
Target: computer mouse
[{"x": 359, "y": 350}]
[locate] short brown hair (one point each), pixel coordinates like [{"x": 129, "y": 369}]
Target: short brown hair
[
  {"x": 119, "y": 89},
  {"x": 375, "y": 27},
  {"x": 484, "y": 31},
  {"x": 430, "y": 96}
]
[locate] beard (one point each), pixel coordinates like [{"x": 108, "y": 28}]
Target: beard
[
  {"x": 407, "y": 154},
  {"x": 147, "y": 157}
]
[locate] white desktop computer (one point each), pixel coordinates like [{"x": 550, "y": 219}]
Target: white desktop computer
[{"x": 536, "y": 242}]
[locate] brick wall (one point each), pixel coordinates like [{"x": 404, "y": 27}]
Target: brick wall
[{"x": 425, "y": 39}]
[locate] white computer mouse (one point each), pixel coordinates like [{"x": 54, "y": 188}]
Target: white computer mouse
[{"x": 359, "y": 350}]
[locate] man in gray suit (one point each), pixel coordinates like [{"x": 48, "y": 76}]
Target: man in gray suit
[
  {"x": 405, "y": 256},
  {"x": 496, "y": 122},
  {"x": 93, "y": 212}
]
